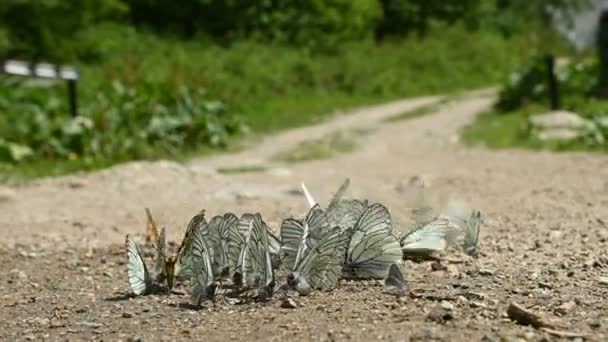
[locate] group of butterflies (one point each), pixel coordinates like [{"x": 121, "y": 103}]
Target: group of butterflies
[{"x": 349, "y": 239}]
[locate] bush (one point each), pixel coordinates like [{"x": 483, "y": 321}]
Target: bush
[{"x": 121, "y": 123}]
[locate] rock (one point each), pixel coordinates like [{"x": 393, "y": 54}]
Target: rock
[
  {"x": 447, "y": 305},
  {"x": 555, "y": 235},
  {"x": 559, "y": 119},
  {"x": 603, "y": 281},
  {"x": 560, "y": 134},
  {"x": 7, "y": 194},
  {"x": 566, "y": 307},
  {"x": 55, "y": 323},
  {"x": 486, "y": 272},
  {"x": 439, "y": 315},
  {"x": 126, "y": 315},
  {"x": 289, "y": 303}
]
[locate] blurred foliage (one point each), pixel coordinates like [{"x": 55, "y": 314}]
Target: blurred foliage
[
  {"x": 577, "y": 81},
  {"x": 148, "y": 94},
  {"x": 121, "y": 122},
  {"x": 164, "y": 76},
  {"x": 45, "y": 28}
]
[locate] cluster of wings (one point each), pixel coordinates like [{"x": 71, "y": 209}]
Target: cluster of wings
[{"x": 350, "y": 238}]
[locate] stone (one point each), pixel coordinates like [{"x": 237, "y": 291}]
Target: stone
[
  {"x": 558, "y": 119},
  {"x": 561, "y": 134},
  {"x": 566, "y": 307}
]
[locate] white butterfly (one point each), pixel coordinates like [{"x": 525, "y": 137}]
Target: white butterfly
[
  {"x": 373, "y": 247},
  {"x": 139, "y": 278},
  {"x": 293, "y": 230},
  {"x": 318, "y": 265},
  {"x": 429, "y": 239},
  {"x": 471, "y": 237},
  {"x": 254, "y": 267},
  {"x": 340, "y": 212},
  {"x": 203, "y": 278},
  {"x": 224, "y": 243}
]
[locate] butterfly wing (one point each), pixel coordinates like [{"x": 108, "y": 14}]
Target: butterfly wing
[
  {"x": 139, "y": 280},
  {"x": 320, "y": 265},
  {"x": 267, "y": 286},
  {"x": 161, "y": 256},
  {"x": 309, "y": 199},
  {"x": 337, "y": 197},
  {"x": 292, "y": 231},
  {"x": 151, "y": 227},
  {"x": 274, "y": 246},
  {"x": 373, "y": 247},
  {"x": 227, "y": 250},
  {"x": 431, "y": 238},
  {"x": 471, "y": 237},
  {"x": 394, "y": 282},
  {"x": 183, "y": 258},
  {"x": 203, "y": 282},
  {"x": 345, "y": 213}
]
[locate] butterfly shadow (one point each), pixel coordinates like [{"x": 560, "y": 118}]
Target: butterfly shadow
[{"x": 120, "y": 297}]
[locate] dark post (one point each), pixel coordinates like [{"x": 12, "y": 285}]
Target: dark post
[
  {"x": 602, "y": 50},
  {"x": 72, "y": 97},
  {"x": 552, "y": 82}
]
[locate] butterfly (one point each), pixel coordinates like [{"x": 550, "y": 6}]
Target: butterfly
[
  {"x": 292, "y": 232},
  {"x": 427, "y": 240},
  {"x": 254, "y": 267},
  {"x": 471, "y": 237},
  {"x": 202, "y": 276},
  {"x": 394, "y": 282},
  {"x": 318, "y": 265},
  {"x": 139, "y": 278},
  {"x": 224, "y": 238},
  {"x": 373, "y": 247},
  {"x": 179, "y": 265},
  {"x": 151, "y": 227},
  {"x": 340, "y": 211}
]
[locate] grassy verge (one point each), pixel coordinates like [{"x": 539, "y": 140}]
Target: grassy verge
[
  {"x": 324, "y": 148},
  {"x": 499, "y": 130},
  {"x": 136, "y": 77}
]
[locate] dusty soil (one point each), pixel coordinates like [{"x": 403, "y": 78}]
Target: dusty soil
[{"x": 543, "y": 240}]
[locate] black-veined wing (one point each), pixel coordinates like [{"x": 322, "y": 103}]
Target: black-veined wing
[
  {"x": 227, "y": 246},
  {"x": 203, "y": 279},
  {"x": 183, "y": 257},
  {"x": 266, "y": 288},
  {"x": 294, "y": 232},
  {"x": 139, "y": 279},
  {"x": 274, "y": 246},
  {"x": 345, "y": 213},
  {"x": 316, "y": 265},
  {"x": 373, "y": 247}
]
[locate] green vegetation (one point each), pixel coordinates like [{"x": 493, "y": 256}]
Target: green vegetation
[
  {"x": 242, "y": 169},
  {"x": 163, "y": 79},
  {"x": 525, "y": 95},
  {"x": 324, "y": 148}
]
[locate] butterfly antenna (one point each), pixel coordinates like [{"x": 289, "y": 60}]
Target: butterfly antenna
[{"x": 311, "y": 201}]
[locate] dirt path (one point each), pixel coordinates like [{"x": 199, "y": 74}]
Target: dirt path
[{"x": 544, "y": 238}]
